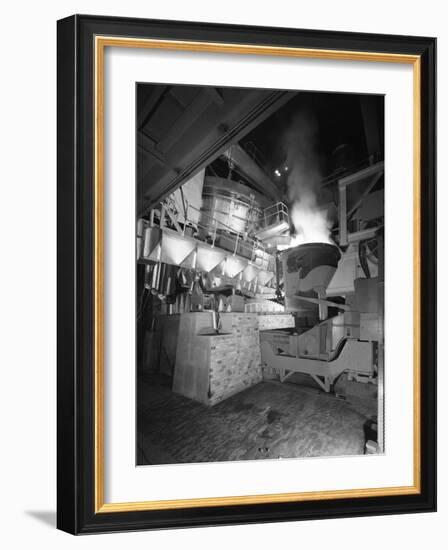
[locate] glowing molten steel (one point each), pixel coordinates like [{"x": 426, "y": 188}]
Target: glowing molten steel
[{"x": 311, "y": 224}]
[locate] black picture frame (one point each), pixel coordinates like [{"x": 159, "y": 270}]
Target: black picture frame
[{"x": 76, "y": 512}]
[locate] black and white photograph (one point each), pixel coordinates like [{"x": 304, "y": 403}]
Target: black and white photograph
[
  {"x": 221, "y": 260},
  {"x": 259, "y": 274}
]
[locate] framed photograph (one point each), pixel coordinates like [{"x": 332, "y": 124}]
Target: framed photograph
[{"x": 246, "y": 274}]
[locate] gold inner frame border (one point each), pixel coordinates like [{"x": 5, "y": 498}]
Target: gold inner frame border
[{"x": 100, "y": 43}]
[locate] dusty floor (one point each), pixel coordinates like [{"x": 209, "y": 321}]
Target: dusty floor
[{"x": 269, "y": 420}]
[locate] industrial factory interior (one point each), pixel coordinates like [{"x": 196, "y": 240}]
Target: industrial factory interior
[{"x": 259, "y": 274}]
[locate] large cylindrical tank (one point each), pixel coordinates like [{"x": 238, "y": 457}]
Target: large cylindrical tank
[
  {"x": 307, "y": 271},
  {"x": 228, "y": 205}
]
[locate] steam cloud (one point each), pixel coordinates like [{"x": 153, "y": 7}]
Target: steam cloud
[{"x": 309, "y": 219}]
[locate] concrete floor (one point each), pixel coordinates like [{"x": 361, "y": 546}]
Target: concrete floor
[{"x": 269, "y": 420}]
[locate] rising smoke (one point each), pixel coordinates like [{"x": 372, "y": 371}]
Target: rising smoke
[{"x": 309, "y": 218}]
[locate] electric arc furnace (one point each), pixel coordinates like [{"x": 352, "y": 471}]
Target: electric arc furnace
[{"x": 337, "y": 312}]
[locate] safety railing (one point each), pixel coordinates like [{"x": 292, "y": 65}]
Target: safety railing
[
  {"x": 216, "y": 232},
  {"x": 274, "y": 214}
]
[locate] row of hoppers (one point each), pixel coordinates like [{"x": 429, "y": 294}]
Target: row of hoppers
[{"x": 176, "y": 261}]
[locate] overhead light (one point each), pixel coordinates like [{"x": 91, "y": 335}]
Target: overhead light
[
  {"x": 286, "y": 168},
  {"x": 277, "y": 173}
]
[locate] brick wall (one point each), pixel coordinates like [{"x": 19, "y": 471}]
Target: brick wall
[
  {"x": 235, "y": 358},
  {"x": 267, "y": 321},
  {"x": 235, "y": 361}
]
